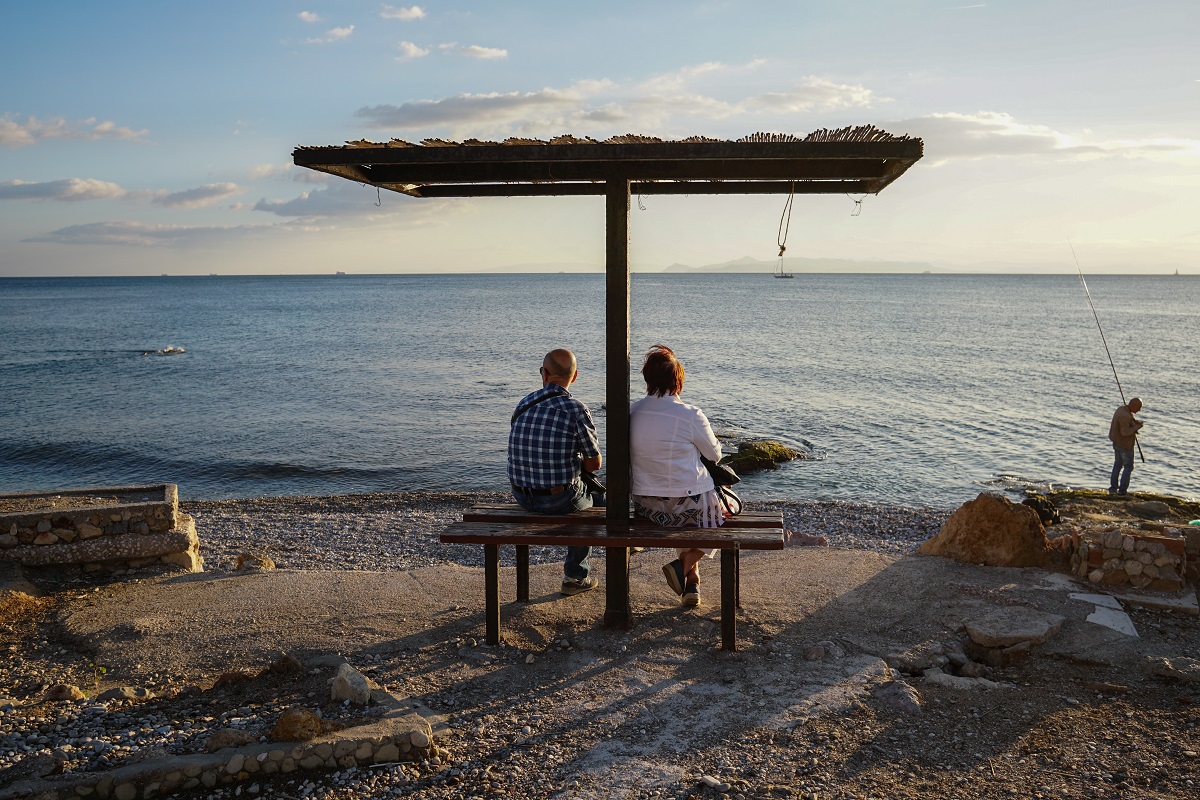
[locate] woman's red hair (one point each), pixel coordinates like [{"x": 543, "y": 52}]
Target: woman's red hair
[{"x": 662, "y": 371}]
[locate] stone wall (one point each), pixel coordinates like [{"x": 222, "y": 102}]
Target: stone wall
[
  {"x": 138, "y": 526},
  {"x": 1166, "y": 560}
]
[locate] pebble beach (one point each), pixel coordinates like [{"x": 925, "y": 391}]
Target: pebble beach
[
  {"x": 389, "y": 531},
  {"x": 362, "y": 532}
]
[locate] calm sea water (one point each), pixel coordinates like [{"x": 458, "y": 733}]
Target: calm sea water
[{"x": 921, "y": 390}]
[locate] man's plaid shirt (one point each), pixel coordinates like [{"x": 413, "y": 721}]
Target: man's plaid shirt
[{"x": 547, "y": 443}]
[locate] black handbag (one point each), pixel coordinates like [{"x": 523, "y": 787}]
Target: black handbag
[
  {"x": 722, "y": 474},
  {"x": 592, "y": 483},
  {"x": 723, "y": 477}
]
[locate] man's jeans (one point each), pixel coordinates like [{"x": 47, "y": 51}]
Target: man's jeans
[
  {"x": 1122, "y": 468},
  {"x": 576, "y": 565}
]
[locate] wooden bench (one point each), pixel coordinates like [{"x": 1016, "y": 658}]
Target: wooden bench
[{"x": 493, "y": 525}]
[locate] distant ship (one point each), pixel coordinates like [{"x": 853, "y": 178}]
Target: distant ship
[
  {"x": 779, "y": 273},
  {"x": 339, "y": 272},
  {"x": 169, "y": 350}
]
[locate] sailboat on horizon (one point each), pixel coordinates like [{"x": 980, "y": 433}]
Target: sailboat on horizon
[{"x": 779, "y": 273}]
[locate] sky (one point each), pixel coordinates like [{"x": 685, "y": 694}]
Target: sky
[{"x": 142, "y": 138}]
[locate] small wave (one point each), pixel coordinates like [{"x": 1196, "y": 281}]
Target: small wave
[
  {"x": 169, "y": 350},
  {"x": 1019, "y": 485},
  {"x": 277, "y": 470}
]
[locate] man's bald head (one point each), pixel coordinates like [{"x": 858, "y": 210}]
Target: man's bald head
[{"x": 559, "y": 364}]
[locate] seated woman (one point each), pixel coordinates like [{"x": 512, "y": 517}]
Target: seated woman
[{"x": 670, "y": 485}]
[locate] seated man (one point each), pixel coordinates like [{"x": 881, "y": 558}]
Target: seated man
[{"x": 552, "y": 438}]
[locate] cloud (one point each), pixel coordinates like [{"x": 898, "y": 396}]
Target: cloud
[
  {"x": 67, "y": 190},
  {"x": 665, "y": 101},
  {"x": 199, "y": 197},
  {"x": 487, "y": 53},
  {"x": 988, "y": 134},
  {"x": 288, "y": 171},
  {"x": 409, "y": 51},
  {"x": 355, "y": 204},
  {"x": 17, "y": 132},
  {"x": 310, "y": 17},
  {"x": 341, "y": 198},
  {"x": 816, "y": 94},
  {"x": 332, "y": 35},
  {"x": 405, "y": 13},
  {"x": 465, "y": 109},
  {"x": 141, "y": 234}
]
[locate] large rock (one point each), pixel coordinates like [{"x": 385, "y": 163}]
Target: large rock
[
  {"x": 992, "y": 530},
  {"x": 1004, "y": 627},
  {"x": 758, "y": 455},
  {"x": 350, "y": 684},
  {"x": 297, "y": 724}
]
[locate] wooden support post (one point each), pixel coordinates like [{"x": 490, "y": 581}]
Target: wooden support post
[
  {"x": 491, "y": 592},
  {"x": 522, "y": 573},
  {"x": 616, "y": 196},
  {"x": 729, "y": 591}
]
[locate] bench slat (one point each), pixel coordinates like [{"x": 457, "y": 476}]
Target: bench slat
[
  {"x": 511, "y": 512},
  {"x": 598, "y": 534}
]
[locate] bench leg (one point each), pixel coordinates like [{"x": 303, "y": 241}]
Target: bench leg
[
  {"x": 616, "y": 588},
  {"x": 522, "y": 573},
  {"x": 729, "y": 592},
  {"x": 491, "y": 592},
  {"x": 737, "y": 577}
]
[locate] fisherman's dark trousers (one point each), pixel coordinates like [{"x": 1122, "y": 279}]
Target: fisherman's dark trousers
[{"x": 1122, "y": 469}]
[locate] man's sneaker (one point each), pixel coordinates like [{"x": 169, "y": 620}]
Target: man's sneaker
[
  {"x": 571, "y": 586},
  {"x": 691, "y": 595},
  {"x": 675, "y": 577}
]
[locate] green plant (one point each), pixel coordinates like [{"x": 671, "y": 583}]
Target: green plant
[{"x": 97, "y": 671}]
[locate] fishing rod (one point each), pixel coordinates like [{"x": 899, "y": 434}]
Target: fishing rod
[{"x": 1104, "y": 341}]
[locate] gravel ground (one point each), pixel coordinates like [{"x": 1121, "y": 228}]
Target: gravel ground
[
  {"x": 1074, "y": 730},
  {"x": 400, "y": 530}
]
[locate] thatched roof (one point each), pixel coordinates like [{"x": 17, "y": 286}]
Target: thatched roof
[{"x": 859, "y": 160}]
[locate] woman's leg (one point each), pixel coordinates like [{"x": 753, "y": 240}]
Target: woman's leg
[{"x": 691, "y": 564}]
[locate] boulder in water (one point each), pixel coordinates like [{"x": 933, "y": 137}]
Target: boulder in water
[{"x": 753, "y": 456}]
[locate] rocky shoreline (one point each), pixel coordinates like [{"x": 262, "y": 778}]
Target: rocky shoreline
[
  {"x": 389, "y": 531},
  {"x": 524, "y": 721},
  {"x": 365, "y": 532}
]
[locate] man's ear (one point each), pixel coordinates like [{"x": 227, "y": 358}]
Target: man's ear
[{"x": 575, "y": 376}]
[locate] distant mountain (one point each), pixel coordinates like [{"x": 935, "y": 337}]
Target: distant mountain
[{"x": 747, "y": 264}]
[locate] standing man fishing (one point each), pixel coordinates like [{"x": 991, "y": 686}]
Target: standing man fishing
[
  {"x": 1123, "y": 428},
  {"x": 1123, "y": 433}
]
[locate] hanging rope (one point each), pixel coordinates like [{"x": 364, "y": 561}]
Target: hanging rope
[
  {"x": 857, "y": 205},
  {"x": 781, "y": 236}
]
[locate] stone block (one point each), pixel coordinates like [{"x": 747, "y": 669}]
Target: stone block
[
  {"x": 386, "y": 753},
  {"x": 1117, "y": 577},
  {"x": 88, "y": 531},
  {"x": 311, "y": 762}
]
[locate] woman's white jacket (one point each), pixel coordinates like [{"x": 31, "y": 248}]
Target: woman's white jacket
[{"x": 666, "y": 438}]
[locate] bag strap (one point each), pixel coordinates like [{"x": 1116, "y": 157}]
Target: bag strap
[{"x": 522, "y": 409}]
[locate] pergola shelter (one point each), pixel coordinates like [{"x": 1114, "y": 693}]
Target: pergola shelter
[{"x": 862, "y": 160}]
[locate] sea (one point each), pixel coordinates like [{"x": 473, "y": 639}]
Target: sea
[{"x": 919, "y": 390}]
